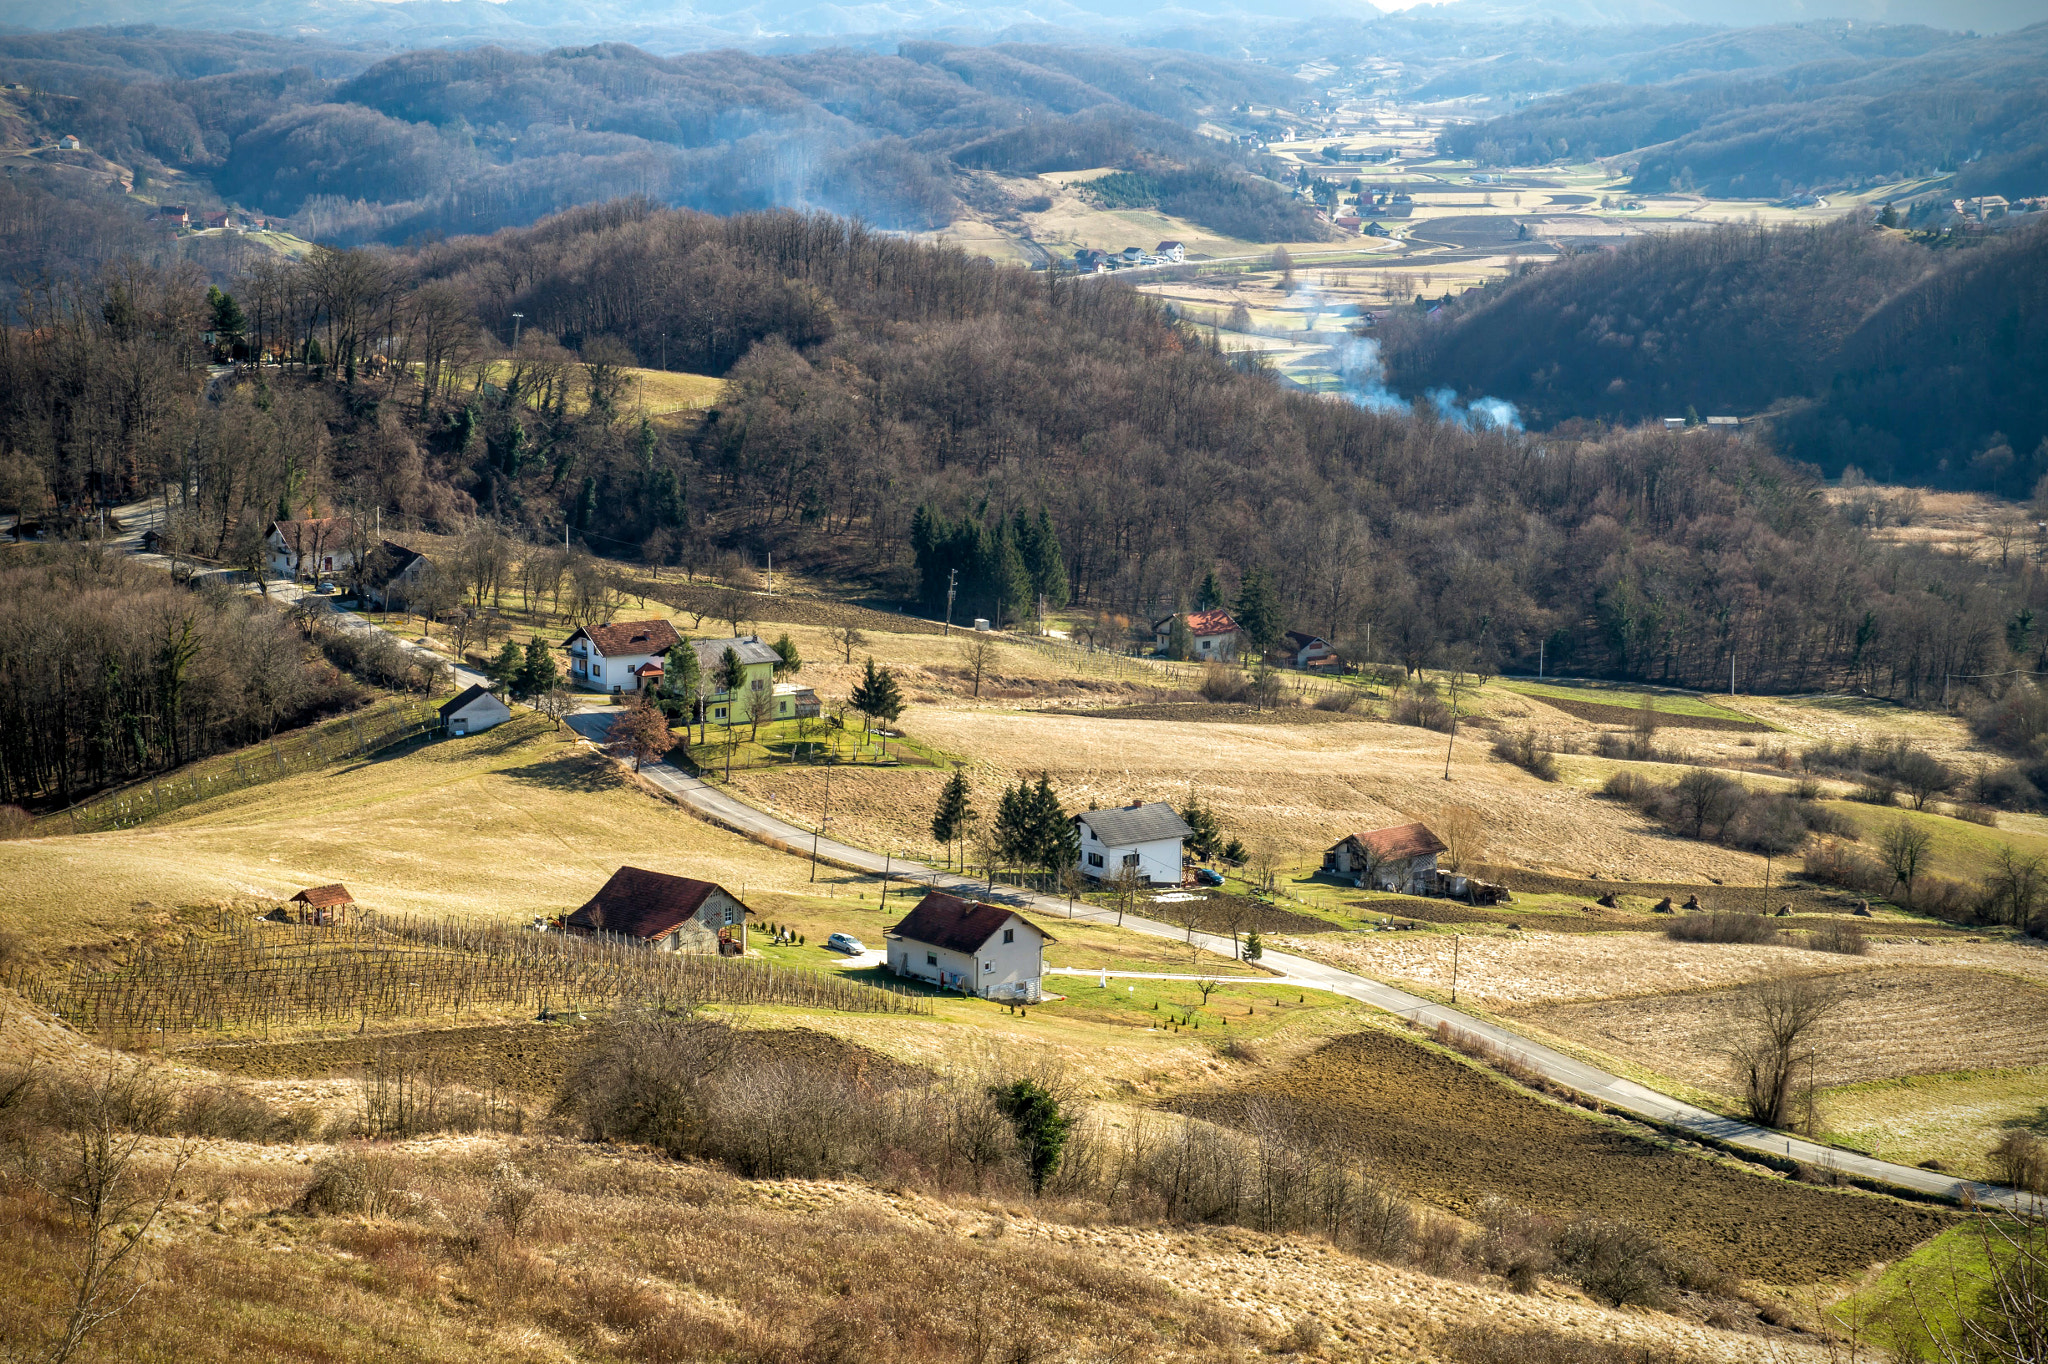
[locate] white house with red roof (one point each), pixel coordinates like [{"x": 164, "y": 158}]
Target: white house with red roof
[
  {"x": 1213, "y": 634},
  {"x": 615, "y": 657}
]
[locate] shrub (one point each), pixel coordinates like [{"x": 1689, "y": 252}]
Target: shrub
[
  {"x": 14, "y": 822},
  {"x": 1977, "y": 814},
  {"x": 1743, "y": 928},
  {"x": 1525, "y": 751},
  {"x": 1834, "y": 864},
  {"x": 1422, "y": 707},
  {"x": 231, "y": 1113},
  {"x": 1513, "y": 1243},
  {"x": 1342, "y": 702},
  {"x": 1615, "y": 1262},
  {"x": 1631, "y": 787},
  {"x": 2020, "y": 1161},
  {"x": 2016, "y": 722},
  {"x": 1225, "y": 686},
  {"x": 1838, "y": 935},
  {"x": 352, "y": 1182}
]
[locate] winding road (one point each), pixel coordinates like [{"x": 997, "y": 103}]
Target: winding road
[
  {"x": 1613, "y": 1091},
  {"x": 594, "y": 722}
]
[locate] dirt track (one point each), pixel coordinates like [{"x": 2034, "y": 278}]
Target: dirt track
[{"x": 1451, "y": 1135}]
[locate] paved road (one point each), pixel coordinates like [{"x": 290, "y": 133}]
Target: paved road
[
  {"x": 594, "y": 721},
  {"x": 1612, "y": 1090}
]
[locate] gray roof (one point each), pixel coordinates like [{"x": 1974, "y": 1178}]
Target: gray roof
[
  {"x": 1135, "y": 824},
  {"x": 748, "y": 647}
]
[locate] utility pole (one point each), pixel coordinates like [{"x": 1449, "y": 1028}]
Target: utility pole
[
  {"x": 1541, "y": 644},
  {"x": 822, "y": 817},
  {"x": 515, "y": 329},
  {"x": 1454, "y": 732},
  {"x": 1731, "y": 669},
  {"x": 952, "y": 577},
  {"x": 771, "y": 570},
  {"x": 1456, "y": 938},
  {"x": 664, "y": 350}
]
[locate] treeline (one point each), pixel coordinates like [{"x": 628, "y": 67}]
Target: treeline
[
  {"x": 455, "y": 140},
  {"x": 870, "y": 377},
  {"x": 108, "y": 671},
  {"x": 1910, "y": 363},
  {"x": 1237, "y": 205},
  {"x": 1971, "y": 106}
]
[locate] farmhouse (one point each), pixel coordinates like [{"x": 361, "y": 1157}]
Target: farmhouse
[
  {"x": 473, "y": 712},
  {"x": 391, "y": 573},
  {"x": 1214, "y": 633},
  {"x": 1307, "y": 651},
  {"x": 667, "y": 913},
  {"x": 965, "y": 945},
  {"x": 757, "y": 661},
  {"x": 605, "y": 656},
  {"x": 1401, "y": 858},
  {"x": 1145, "y": 837},
  {"x": 309, "y": 547},
  {"x": 1173, "y": 251},
  {"x": 323, "y": 904}
]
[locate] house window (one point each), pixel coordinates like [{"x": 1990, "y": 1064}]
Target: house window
[
  {"x": 718, "y": 714},
  {"x": 597, "y": 670},
  {"x": 1205, "y": 645},
  {"x": 988, "y": 968},
  {"x": 931, "y": 959},
  {"x": 1130, "y": 859},
  {"x": 1094, "y": 859},
  {"x": 1009, "y": 935}
]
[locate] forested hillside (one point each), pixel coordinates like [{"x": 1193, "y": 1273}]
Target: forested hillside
[
  {"x": 1974, "y": 106},
  {"x": 876, "y": 387},
  {"x": 445, "y": 141},
  {"x": 1909, "y": 362}
]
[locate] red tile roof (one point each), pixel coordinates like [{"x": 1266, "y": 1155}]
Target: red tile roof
[
  {"x": 1401, "y": 841},
  {"x": 325, "y": 897},
  {"x": 942, "y": 920},
  {"x": 637, "y": 903},
  {"x": 1211, "y": 623},
  {"x": 628, "y": 637}
]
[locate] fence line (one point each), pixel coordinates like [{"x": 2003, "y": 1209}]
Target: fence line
[
  {"x": 251, "y": 766},
  {"x": 256, "y": 973}
]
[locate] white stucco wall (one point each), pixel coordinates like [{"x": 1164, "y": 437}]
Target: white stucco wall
[{"x": 1158, "y": 861}]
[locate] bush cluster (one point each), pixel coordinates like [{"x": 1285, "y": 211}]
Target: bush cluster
[{"x": 1706, "y": 804}]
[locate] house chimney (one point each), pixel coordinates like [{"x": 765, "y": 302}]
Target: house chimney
[{"x": 1134, "y": 805}]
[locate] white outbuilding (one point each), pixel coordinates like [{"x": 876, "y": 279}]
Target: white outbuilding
[
  {"x": 1146, "y": 837},
  {"x": 473, "y": 712}
]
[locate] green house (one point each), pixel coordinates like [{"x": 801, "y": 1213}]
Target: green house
[{"x": 757, "y": 660}]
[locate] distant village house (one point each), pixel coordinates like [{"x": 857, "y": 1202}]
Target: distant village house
[
  {"x": 473, "y": 712},
  {"x": 1212, "y": 634},
  {"x": 667, "y": 913},
  {"x": 1401, "y": 858},
  {"x": 611, "y": 657},
  {"x": 1145, "y": 838},
  {"x": 758, "y": 662},
  {"x": 1308, "y": 651},
  {"x": 978, "y": 949},
  {"x": 309, "y": 547}
]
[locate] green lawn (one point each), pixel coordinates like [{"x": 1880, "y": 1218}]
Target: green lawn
[
  {"x": 1960, "y": 849},
  {"x": 788, "y": 743},
  {"x": 1616, "y": 694}
]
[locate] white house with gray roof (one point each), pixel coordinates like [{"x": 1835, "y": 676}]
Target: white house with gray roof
[{"x": 1138, "y": 835}]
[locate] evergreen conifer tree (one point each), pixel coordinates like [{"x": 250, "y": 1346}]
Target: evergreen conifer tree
[
  {"x": 682, "y": 682},
  {"x": 955, "y": 810},
  {"x": 537, "y": 671},
  {"x": 503, "y": 671},
  {"x": 1258, "y": 611},
  {"x": 785, "y": 649},
  {"x": 1210, "y": 595}
]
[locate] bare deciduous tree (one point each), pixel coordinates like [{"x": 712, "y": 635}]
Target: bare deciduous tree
[
  {"x": 112, "y": 1204},
  {"x": 1777, "y": 1027},
  {"x": 847, "y": 638},
  {"x": 977, "y": 653},
  {"x": 1903, "y": 849},
  {"x": 1463, "y": 831}
]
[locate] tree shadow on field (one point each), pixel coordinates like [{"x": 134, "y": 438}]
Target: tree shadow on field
[{"x": 577, "y": 772}]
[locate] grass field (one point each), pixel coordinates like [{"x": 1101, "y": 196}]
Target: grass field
[
  {"x": 1951, "y": 1118},
  {"x": 1621, "y": 696},
  {"x": 656, "y": 392}
]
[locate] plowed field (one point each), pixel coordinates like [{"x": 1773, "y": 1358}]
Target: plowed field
[
  {"x": 1451, "y": 1135},
  {"x": 1902, "y": 1021}
]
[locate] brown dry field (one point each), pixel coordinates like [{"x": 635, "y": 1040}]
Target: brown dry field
[
  {"x": 1536, "y": 969},
  {"x": 1890, "y": 1021},
  {"x": 1451, "y": 1134},
  {"x": 1296, "y": 788}
]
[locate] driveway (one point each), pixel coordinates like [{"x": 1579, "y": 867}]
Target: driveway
[{"x": 1611, "y": 1090}]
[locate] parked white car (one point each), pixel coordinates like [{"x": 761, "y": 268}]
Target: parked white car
[{"x": 847, "y": 943}]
